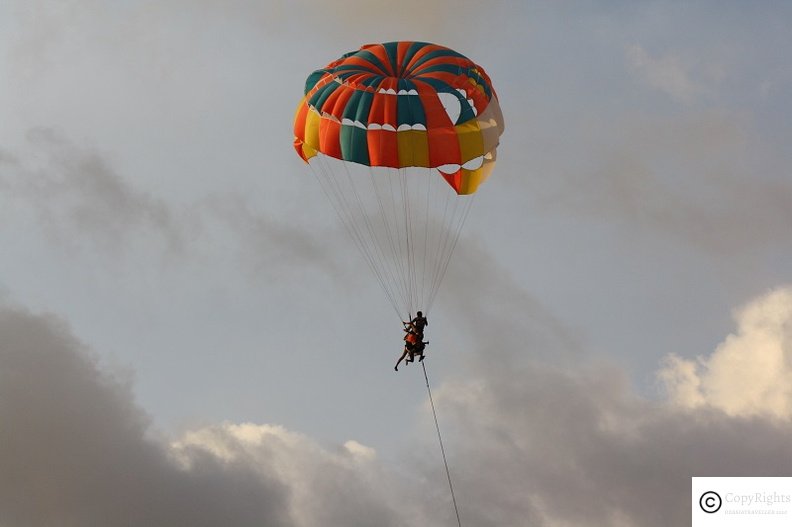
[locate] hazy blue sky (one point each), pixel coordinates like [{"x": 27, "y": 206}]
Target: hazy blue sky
[{"x": 181, "y": 314}]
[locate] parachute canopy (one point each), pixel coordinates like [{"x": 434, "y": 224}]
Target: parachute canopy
[
  {"x": 377, "y": 126},
  {"x": 403, "y": 104}
]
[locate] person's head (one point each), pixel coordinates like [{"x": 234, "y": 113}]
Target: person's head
[{"x": 419, "y": 314}]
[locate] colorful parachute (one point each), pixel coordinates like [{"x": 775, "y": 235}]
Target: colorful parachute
[{"x": 377, "y": 126}]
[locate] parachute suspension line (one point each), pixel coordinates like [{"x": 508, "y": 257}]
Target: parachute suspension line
[
  {"x": 442, "y": 449},
  {"x": 448, "y": 220},
  {"x": 433, "y": 227},
  {"x": 416, "y": 246},
  {"x": 443, "y": 233},
  {"x": 396, "y": 273},
  {"x": 408, "y": 237},
  {"x": 407, "y": 244},
  {"x": 410, "y": 241},
  {"x": 400, "y": 242},
  {"x": 365, "y": 244},
  {"x": 455, "y": 211},
  {"x": 426, "y": 237},
  {"x": 447, "y": 259},
  {"x": 337, "y": 198},
  {"x": 378, "y": 253}
]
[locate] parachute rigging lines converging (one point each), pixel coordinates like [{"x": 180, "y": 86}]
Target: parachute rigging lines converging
[
  {"x": 400, "y": 136},
  {"x": 404, "y": 222}
]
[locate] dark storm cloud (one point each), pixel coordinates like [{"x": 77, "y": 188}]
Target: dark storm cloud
[{"x": 74, "y": 450}]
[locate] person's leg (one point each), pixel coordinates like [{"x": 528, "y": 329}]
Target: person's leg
[{"x": 401, "y": 359}]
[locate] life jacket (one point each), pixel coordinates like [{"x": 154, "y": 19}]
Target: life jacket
[{"x": 411, "y": 338}]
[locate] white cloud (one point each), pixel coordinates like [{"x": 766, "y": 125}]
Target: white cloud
[
  {"x": 327, "y": 486},
  {"x": 668, "y": 74},
  {"x": 750, "y": 373}
]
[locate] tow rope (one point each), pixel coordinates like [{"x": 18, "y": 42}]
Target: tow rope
[{"x": 442, "y": 449}]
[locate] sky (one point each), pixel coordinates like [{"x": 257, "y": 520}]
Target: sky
[{"x": 188, "y": 336}]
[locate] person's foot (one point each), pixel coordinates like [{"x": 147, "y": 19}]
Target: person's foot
[
  {"x": 421, "y": 359},
  {"x": 396, "y": 368}
]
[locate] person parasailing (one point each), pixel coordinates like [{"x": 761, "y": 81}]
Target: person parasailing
[
  {"x": 413, "y": 339},
  {"x": 418, "y": 323},
  {"x": 411, "y": 350}
]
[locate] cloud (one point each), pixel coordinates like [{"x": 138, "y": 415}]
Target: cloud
[
  {"x": 668, "y": 74},
  {"x": 750, "y": 373},
  {"x": 79, "y": 199},
  {"x": 344, "y": 485},
  {"x": 265, "y": 242},
  {"x": 44, "y": 29},
  {"x": 703, "y": 178},
  {"x": 76, "y": 194},
  {"x": 528, "y": 442},
  {"x": 560, "y": 442},
  {"x": 439, "y": 19},
  {"x": 499, "y": 314},
  {"x": 550, "y": 447},
  {"x": 74, "y": 448}
]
